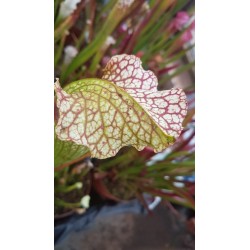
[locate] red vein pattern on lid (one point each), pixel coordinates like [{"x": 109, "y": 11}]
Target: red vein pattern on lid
[
  {"x": 168, "y": 108},
  {"x": 102, "y": 116}
]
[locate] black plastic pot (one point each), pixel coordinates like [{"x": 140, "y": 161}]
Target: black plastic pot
[{"x": 76, "y": 223}]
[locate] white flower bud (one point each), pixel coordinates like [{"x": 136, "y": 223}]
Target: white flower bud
[
  {"x": 67, "y": 7},
  {"x": 85, "y": 201},
  {"x": 78, "y": 185},
  {"x": 70, "y": 52}
]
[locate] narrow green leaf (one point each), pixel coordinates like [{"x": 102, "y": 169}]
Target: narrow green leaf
[{"x": 66, "y": 151}]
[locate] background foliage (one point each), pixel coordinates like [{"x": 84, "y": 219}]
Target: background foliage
[{"x": 87, "y": 35}]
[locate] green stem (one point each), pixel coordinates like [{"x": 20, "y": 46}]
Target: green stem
[
  {"x": 109, "y": 6},
  {"x": 179, "y": 55},
  {"x": 148, "y": 38},
  {"x": 61, "y": 203},
  {"x": 67, "y": 189},
  {"x": 59, "y": 50}
]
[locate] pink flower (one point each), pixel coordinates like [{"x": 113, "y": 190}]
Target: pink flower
[
  {"x": 179, "y": 21},
  {"x": 185, "y": 37}
]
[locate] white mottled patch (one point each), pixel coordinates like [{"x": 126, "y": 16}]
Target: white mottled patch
[
  {"x": 135, "y": 127},
  {"x": 168, "y": 117},
  {"x": 109, "y": 130},
  {"x": 182, "y": 104},
  {"x": 175, "y": 126},
  {"x": 105, "y": 149},
  {"x": 123, "y": 64},
  {"x": 73, "y": 132},
  {"x": 163, "y": 123},
  {"x": 64, "y": 105},
  {"x": 147, "y": 137},
  {"x": 183, "y": 112},
  {"x": 175, "y": 118},
  {"x": 173, "y": 133},
  {"x": 141, "y": 134},
  {"x": 172, "y": 98},
  {"x": 131, "y": 61},
  {"x": 149, "y": 101},
  {"x": 67, "y": 119},
  {"x": 173, "y": 109},
  {"x": 155, "y": 110},
  {"x": 116, "y": 132},
  {"x": 119, "y": 120},
  {"x": 84, "y": 141},
  {"x": 134, "y": 118},
  {"x": 80, "y": 128},
  {"x": 124, "y": 74},
  {"x": 155, "y": 141}
]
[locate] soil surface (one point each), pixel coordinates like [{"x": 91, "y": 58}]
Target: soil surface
[{"x": 161, "y": 231}]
